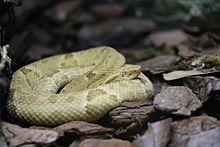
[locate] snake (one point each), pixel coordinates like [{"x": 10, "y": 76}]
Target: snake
[{"x": 82, "y": 85}]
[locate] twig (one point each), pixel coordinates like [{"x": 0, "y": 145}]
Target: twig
[{"x": 5, "y": 59}]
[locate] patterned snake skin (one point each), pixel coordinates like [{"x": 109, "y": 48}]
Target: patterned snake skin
[{"x": 82, "y": 85}]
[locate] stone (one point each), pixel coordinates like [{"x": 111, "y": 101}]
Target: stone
[
  {"x": 115, "y": 31},
  {"x": 178, "y": 100},
  {"x": 192, "y": 126},
  {"x": 16, "y": 135},
  {"x": 81, "y": 127},
  {"x": 159, "y": 64},
  {"x": 208, "y": 138},
  {"x": 157, "y": 135},
  {"x": 104, "y": 143},
  {"x": 108, "y": 10},
  {"x": 60, "y": 11},
  {"x": 171, "y": 38}
]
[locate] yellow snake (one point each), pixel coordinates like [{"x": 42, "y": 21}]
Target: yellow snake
[{"x": 82, "y": 85}]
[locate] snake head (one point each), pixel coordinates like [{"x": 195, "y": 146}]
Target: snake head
[{"x": 127, "y": 72}]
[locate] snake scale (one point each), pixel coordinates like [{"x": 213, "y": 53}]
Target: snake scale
[{"x": 81, "y": 85}]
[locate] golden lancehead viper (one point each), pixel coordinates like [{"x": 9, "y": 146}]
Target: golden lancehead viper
[{"x": 82, "y": 85}]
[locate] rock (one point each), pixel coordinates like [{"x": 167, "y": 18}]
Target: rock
[
  {"x": 31, "y": 5},
  {"x": 16, "y": 135},
  {"x": 204, "y": 86},
  {"x": 208, "y": 138},
  {"x": 108, "y": 10},
  {"x": 29, "y": 145},
  {"x": 41, "y": 36},
  {"x": 131, "y": 117},
  {"x": 81, "y": 17},
  {"x": 74, "y": 144},
  {"x": 170, "y": 38},
  {"x": 81, "y": 128},
  {"x": 159, "y": 64},
  {"x": 206, "y": 43},
  {"x": 60, "y": 11},
  {"x": 186, "y": 52},
  {"x": 104, "y": 143},
  {"x": 159, "y": 86},
  {"x": 192, "y": 126},
  {"x": 177, "y": 100},
  {"x": 29, "y": 10},
  {"x": 213, "y": 51},
  {"x": 2, "y": 140},
  {"x": 115, "y": 31},
  {"x": 126, "y": 114},
  {"x": 36, "y": 52},
  {"x": 157, "y": 135},
  {"x": 15, "y": 2},
  {"x": 136, "y": 54}
]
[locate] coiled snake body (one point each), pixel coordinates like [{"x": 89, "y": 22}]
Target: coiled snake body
[{"x": 82, "y": 85}]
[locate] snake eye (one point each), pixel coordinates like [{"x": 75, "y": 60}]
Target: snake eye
[{"x": 122, "y": 74}]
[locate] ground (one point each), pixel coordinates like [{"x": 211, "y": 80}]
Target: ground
[{"x": 177, "y": 49}]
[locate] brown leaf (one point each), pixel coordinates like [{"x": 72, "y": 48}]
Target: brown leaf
[{"x": 178, "y": 100}]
